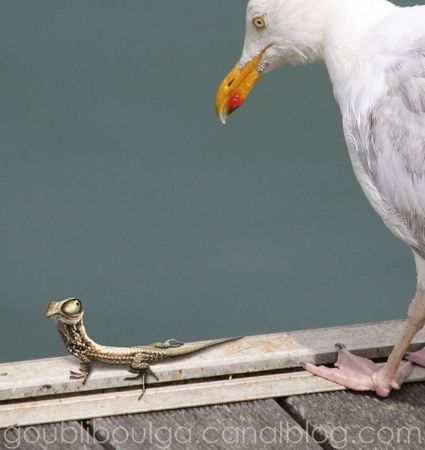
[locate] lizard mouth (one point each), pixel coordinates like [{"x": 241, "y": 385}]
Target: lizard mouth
[{"x": 53, "y": 308}]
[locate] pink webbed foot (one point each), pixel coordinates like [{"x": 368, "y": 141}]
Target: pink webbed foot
[
  {"x": 417, "y": 357},
  {"x": 360, "y": 374}
]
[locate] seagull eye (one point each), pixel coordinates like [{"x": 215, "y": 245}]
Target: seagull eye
[
  {"x": 72, "y": 307},
  {"x": 259, "y": 22}
]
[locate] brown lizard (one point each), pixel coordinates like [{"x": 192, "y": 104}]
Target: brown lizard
[{"x": 69, "y": 313}]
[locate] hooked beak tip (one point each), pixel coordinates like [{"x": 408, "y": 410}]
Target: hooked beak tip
[{"x": 221, "y": 113}]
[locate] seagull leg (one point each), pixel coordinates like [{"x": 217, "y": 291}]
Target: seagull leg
[
  {"x": 362, "y": 374},
  {"x": 417, "y": 357}
]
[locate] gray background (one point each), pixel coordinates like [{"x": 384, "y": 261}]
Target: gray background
[{"x": 120, "y": 186}]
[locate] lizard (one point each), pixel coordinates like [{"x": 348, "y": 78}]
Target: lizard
[{"x": 68, "y": 315}]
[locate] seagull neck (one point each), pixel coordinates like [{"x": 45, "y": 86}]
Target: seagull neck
[
  {"x": 348, "y": 29},
  {"x": 420, "y": 269}
]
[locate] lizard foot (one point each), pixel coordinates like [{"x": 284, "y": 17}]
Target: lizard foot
[
  {"x": 169, "y": 343},
  {"x": 141, "y": 370},
  {"x": 83, "y": 373}
]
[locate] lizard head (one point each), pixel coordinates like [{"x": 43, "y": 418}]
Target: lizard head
[{"x": 68, "y": 311}]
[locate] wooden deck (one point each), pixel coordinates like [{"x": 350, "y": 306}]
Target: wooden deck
[
  {"x": 333, "y": 420},
  {"x": 251, "y": 394}
]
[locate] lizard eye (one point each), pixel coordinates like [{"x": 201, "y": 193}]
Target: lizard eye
[
  {"x": 72, "y": 307},
  {"x": 259, "y": 22}
]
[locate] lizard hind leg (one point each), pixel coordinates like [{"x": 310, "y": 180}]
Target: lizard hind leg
[
  {"x": 141, "y": 369},
  {"x": 169, "y": 343},
  {"x": 83, "y": 373}
]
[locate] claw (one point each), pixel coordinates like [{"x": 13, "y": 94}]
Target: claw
[
  {"x": 76, "y": 375},
  {"x": 142, "y": 393},
  {"x": 150, "y": 372},
  {"x": 83, "y": 373},
  {"x": 133, "y": 378}
]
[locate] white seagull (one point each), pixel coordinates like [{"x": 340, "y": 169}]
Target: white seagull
[{"x": 375, "y": 55}]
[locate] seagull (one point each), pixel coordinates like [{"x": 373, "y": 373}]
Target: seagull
[{"x": 374, "y": 52}]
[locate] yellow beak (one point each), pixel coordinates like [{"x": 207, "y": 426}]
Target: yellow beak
[{"x": 235, "y": 88}]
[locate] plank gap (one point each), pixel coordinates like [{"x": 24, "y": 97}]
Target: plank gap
[
  {"x": 315, "y": 433},
  {"x": 86, "y": 425}
]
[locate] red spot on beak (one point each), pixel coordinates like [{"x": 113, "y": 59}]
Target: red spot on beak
[{"x": 235, "y": 100}]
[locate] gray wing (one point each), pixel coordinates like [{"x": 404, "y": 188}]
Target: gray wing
[{"x": 390, "y": 148}]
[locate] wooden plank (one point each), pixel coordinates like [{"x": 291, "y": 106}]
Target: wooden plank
[
  {"x": 250, "y": 425},
  {"x": 56, "y": 436},
  {"x": 351, "y": 421},
  {"x": 251, "y": 354},
  {"x": 167, "y": 397}
]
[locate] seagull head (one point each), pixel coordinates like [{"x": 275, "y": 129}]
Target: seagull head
[{"x": 277, "y": 32}]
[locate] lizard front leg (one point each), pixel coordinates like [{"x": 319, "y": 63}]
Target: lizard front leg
[
  {"x": 142, "y": 369},
  {"x": 83, "y": 373}
]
